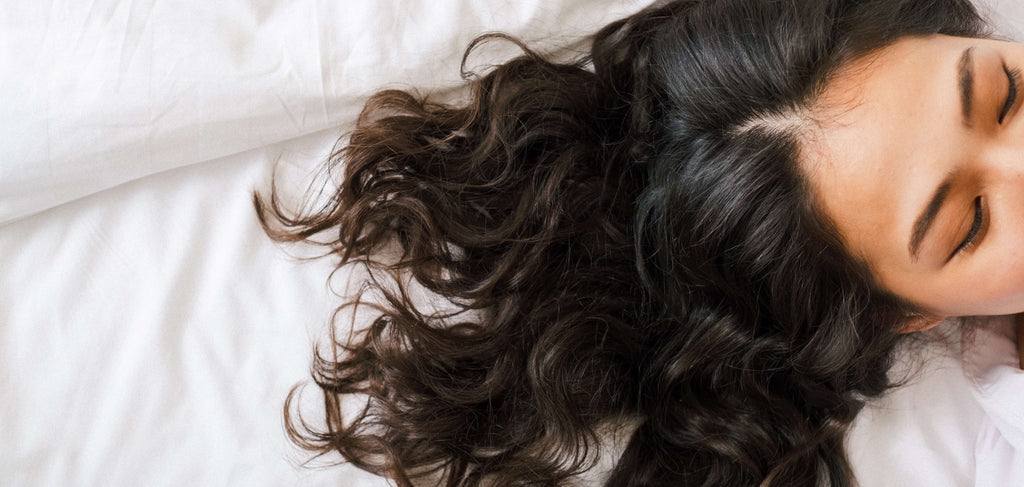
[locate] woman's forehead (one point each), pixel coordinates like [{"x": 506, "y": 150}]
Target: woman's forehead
[{"x": 883, "y": 135}]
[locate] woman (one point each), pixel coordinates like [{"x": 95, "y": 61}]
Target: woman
[{"x": 712, "y": 233}]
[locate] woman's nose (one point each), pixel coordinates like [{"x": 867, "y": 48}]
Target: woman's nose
[
  {"x": 1005, "y": 151},
  {"x": 1004, "y": 163}
]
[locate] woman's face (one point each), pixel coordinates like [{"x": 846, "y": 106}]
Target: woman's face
[{"x": 919, "y": 160}]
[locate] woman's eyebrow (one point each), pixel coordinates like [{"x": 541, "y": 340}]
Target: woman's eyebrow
[
  {"x": 965, "y": 79},
  {"x": 927, "y": 217},
  {"x": 966, "y": 82}
]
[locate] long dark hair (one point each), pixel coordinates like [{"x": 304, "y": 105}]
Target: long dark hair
[{"x": 625, "y": 239}]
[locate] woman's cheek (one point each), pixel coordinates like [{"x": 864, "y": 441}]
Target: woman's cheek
[{"x": 999, "y": 280}]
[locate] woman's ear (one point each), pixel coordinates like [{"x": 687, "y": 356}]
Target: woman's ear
[{"x": 920, "y": 323}]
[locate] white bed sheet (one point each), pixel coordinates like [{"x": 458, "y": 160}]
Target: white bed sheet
[{"x": 149, "y": 331}]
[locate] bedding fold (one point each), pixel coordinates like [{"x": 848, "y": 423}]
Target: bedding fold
[{"x": 101, "y": 93}]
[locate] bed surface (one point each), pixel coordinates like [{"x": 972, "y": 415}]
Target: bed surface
[{"x": 149, "y": 331}]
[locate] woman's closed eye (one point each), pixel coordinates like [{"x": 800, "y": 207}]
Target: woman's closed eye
[
  {"x": 973, "y": 237},
  {"x": 1014, "y": 77},
  {"x": 975, "y": 233}
]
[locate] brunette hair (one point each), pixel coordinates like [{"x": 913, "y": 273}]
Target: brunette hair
[{"x": 622, "y": 239}]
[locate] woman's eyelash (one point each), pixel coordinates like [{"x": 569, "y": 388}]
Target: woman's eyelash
[
  {"x": 972, "y": 235},
  {"x": 1014, "y": 76}
]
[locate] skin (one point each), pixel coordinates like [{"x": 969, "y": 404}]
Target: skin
[{"x": 890, "y": 128}]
